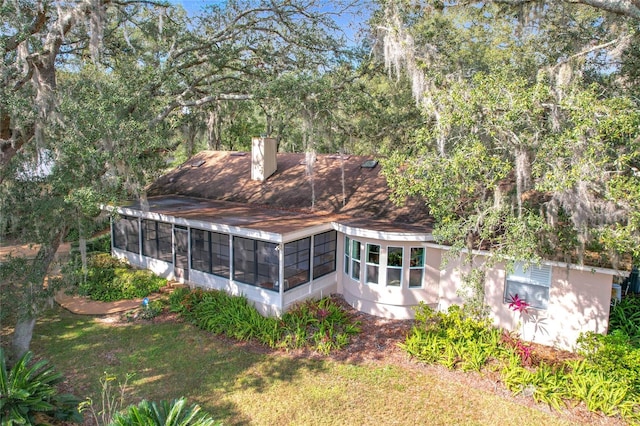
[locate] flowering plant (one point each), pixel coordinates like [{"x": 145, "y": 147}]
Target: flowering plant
[{"x": 517, "y": 304}]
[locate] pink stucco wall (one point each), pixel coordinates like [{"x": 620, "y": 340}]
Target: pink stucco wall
[{"x": 579, "y": 301}]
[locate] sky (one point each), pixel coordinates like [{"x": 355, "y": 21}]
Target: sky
[{"x": 349, "y": 22}]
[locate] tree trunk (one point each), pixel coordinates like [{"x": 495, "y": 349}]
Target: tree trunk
[
  {"x": 22, "y": 337},
  {"x": 30, "y": 306}
]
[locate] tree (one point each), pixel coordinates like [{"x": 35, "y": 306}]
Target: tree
[
  {"x": 531, "y": 135},
  {"x": 98, "y": 90}
]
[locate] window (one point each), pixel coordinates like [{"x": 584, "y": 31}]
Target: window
[
  {"x": 200, "y": 250},
  {"x": 297, "y": 262},
  {"x": 220, "y": 254},
  {"x": 324, "y": 253},
  {"x": 255, "y": 263},
  {"x": 126, "y": 234},
  {"x": 531, "y": 285},
  {"x": 416, "y": 267},
  {"x": 355, "y": 259},
  {"x": 394, "y": 266},
  {"x": 347, "y": 257},
  {"x": 373, "y": 264},
  {"x": 156, "y": 240}
]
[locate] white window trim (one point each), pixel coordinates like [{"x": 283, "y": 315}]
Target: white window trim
[{"x": 537, "y": 278}]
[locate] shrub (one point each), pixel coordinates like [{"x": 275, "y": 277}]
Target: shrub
[
  {"x": 175, "y": 413},
  {"x": 452, "y": 339},
  {"x": 321, "y": 325},
  {"x": 108, "y": 279},
  {"x": 28, "y": 391},
  {"x": 625, "y": 317}
]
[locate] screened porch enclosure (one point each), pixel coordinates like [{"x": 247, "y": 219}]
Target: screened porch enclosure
[{"x": 227, "y": 261}]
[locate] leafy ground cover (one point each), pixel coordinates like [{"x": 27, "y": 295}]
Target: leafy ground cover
[
  {"x": 371, "y": 381},
  {"x": 604, "y": 376}
]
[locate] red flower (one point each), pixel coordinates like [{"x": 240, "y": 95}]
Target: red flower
[{"x": 518, "y": 305}]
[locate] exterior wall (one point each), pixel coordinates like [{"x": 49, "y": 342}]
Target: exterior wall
[
  {"x": 579, "y": 301},
  {"x": 390, "y": 301}
]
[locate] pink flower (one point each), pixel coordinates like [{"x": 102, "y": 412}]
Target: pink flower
[{"x": 518, "y": 305}]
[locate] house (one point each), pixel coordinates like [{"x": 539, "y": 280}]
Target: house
[{"x": 280, "y": 228}]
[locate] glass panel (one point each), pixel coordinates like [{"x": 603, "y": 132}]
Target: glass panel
[
  {"x": 537, "y": 296},
  {"x": 200, "y": 250},
  {"x": 415, "y": 277},
  {"x": 267, "y": 262},
  {"x": 244, "y": 263},
  {"x": 296, "y": 262},
  {"x": 347, "y": 258},
  {"x": 355, "y": 263},
  {"x": 220, "y": 254},
  {"x": 149, "y": 239},
  {"x": 417, "y": 257},
  {"x": 373, "y": 254},
  {"x": 324, "y": 253},
  {"x": 126, "y": 235},
  {"x": 394, "y": 277},
  {"x": 394, "y": 256},
  {"x": 165, "y": 246}
]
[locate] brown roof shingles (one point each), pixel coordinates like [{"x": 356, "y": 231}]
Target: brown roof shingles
[{"x": 362, "y": 201}]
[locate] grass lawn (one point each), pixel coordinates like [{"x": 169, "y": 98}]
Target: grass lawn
[{"x": 241, "y": 387}]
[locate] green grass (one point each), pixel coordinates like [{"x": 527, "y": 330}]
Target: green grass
[{"x": 240, "y": 387}]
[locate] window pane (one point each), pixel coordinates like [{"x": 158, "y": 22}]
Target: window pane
[
  {"x": 126, "y": 236},
  {"x": 165, "y": 244},
  {"x": 355, "y": 270},
  {"x": 394, "y": 256},
  {"x": 373, "y": 254},
  {"x": 417, "y": 256},
  {"x": 220, "y": 254},
  {"x": 149, "y": 239},
  {"x": 267, "y": 262},
  {"x": 200, "y": 253},
  {"x": 244, "y": 263},
  {"x": 415, "y": 277},
  {"x": 347, "y": 257},
  {"x": 394, "y": 277},
  {"x": 296, "y": 262},
  {"x": 535, "y": 295},
  {"x": 324, "y": 253}
]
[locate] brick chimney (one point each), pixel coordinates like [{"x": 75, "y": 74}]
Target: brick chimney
[{"x": 263, "y": 158}]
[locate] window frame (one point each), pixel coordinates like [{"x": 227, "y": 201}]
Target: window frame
[
  {"x": 372, "y": 262},
  {"x": 325, "y": 246},
  {"x": 356, "y": 261},
  {"x": 297, "y": 262},
  {"x": 263, "y": 258},
  {"x": 417, "y": 268},
  {"x": 395, "y": 268},
  {"x": 534, "y": 279},
  {"x": 129, "y": 238}
]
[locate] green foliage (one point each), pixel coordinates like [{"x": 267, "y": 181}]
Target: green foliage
[
  {"x": 625, "y": 317},
  {"x": 111, "y": 400},
  {"x": 108, "y": 279},
  {"x": 28, "y": 392},
  {"x": 453, "y": 339},
  {"x": 321, "y": 325},
  {"x": 606, "y": 380},
  {"x": 174, "y": 413}
]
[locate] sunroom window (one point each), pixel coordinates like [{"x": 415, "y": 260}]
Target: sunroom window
[
  {"x": 347, "y": 255},
  {"x": 355, "y": 259},
  {"x": 416, "y": 267},
  {"x": 296, "y": 262},
  {"x": 373, "y": 264},
  {"x": 156, "y": 240},
  {"x": 394, "y": 266},
  {"x": 126, "y": 234},
  {"x": 530, "y": 284},
  {"x": 324, "y": 253}
]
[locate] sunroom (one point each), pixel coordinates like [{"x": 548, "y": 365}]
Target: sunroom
[{"x": 274, "y": 258}]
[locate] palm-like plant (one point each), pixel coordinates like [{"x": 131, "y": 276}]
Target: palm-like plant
[
  {"x": 28, "y": 389},
  {"x": 175, "y": 413}
]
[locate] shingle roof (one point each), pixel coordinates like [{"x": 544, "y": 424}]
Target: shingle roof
[{"x": 337, "y": 186}]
